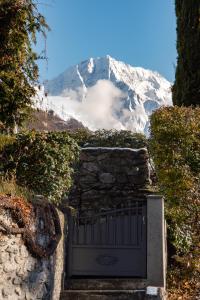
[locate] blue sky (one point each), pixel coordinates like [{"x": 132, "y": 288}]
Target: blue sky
[{"x": 138, "y": 32}]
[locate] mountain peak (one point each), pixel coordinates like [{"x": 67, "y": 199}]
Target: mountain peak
[{"x": 143, "y": 90}]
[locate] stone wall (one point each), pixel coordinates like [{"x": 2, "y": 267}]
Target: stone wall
[
  {"x": 23, "y": 276},
  {"x": 109, "y": 177}
]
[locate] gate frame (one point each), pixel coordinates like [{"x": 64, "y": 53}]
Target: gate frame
[
  {"x": 156, "y": 243},
  {"x": 70, "y": 242}
]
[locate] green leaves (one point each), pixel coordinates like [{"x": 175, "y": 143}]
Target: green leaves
[
  {"x": 109, "y": 138},
  {"x": 175, "y": 148},
  {"x": 19, "y": 23},
  {"x": 186, "y": 88},
  {"x": 43, "y": 162}
]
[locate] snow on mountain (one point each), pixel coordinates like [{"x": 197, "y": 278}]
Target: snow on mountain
[{"x": 106, "y": 93}]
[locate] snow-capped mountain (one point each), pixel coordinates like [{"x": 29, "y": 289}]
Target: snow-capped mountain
[{"x": 106, "y": 93}]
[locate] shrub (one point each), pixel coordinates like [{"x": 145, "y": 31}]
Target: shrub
[
  {"x": 41, "y": 162},
  {"x": 81, "y": 136},
  {"x": 175, "y": 148},
  {"x": 11, "y": 188},
  {"x": 109, "y": 138},
  {"x": 5, "y": 140}
]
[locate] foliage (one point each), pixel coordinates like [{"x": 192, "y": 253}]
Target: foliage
[
  {"x": 5, "y": 140},
  {"x": 20, "y": 21},
  {"x": 183, "y": 283},
  {"x": 175, "y": 148},
  {"x": 186, "y": 88},
  {"x": 109, "y": 138},
  {"x": 41, "y": 162},
  {"x": 81, "y": 136},
  {"x": 11, "y": 188}
]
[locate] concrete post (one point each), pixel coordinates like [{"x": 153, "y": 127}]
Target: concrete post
[{"x": 156, "y": 250}]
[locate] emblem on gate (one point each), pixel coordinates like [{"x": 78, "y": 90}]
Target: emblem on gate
[{"x": 106, "y": 260}]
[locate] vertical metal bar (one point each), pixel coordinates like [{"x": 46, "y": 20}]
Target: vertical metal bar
[
  {"x": 115, "y": 229},
  {"x": 99, "y": 229},
  {"x": 137, "y": 225},
  {"x": 85, "y": 232},
  {"x": 92, "y": 231},
  {"x": 107, "y": 229},
  {"x": 122, "y": 227},
  {"x": 142, "y": 223},
  {"x": 129, "y": 225},
  {"x": 77, "y": 231}
]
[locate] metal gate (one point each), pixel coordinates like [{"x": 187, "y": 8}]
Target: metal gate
[{"x": 109, "y": 244}]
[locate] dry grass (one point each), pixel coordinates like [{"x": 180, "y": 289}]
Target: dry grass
[{"x": 12, "y": 189}]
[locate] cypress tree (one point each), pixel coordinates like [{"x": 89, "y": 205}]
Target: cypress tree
[
  {"x": 19, "y": 23},
  {"x": 186, "y": 90}
]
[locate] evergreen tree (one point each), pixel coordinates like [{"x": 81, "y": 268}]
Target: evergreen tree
[
  {"x": 19, "y": 23},
  {"x": 186, "y": 90}
]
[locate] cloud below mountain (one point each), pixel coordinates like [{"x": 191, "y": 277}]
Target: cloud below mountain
[
  {"x": 106, "y": 93},
  {"x": 98, "y": 109},
  {"x": 100, "y": 106}
]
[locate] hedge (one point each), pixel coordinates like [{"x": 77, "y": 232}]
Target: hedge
[
  {"x": 41, "y": 162},
  {"x": 175, "y": 148},
  {"x": 109, "y": 138}
]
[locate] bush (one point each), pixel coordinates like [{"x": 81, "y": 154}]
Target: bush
[
  {"x": 109, "y": 138},
  {"x": 11, "y": 188},
  {"x": 5, "y": 140},
  {"x": 175, "y": 148},
  {"x": 41, "y": 162}
]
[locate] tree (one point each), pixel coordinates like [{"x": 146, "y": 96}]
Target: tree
[
  {"x": 20, "y": 21},
  {"x": 186, "y": 90}
]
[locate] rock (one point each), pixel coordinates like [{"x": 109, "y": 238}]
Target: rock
[
  {"x": 42, "y": 277},
  {"x": 28, "y": 296},
  {"x": 18, "y": 291},
  {"x": 121, "y": 178},
  {"x": 12, "y": 249},
  {"x": 91, "y": 167},
  {"x": 23, "y": 276},
  {"x": 20, "y": 272},
  {"x": 87, "y": 180},
  {"x": 107, "y": 178},
  {"x": 6, "y": 291},
  {"x": 17, "y": 281},
  {"x": 3, "y": 257},
  {"x": 18, "y": 259},
  {"x": 3, "y": 243},
  {"x": 9, "y": 267},
  {"x": 23, "y": 251}
]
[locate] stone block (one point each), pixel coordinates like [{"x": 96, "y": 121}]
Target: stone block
[
  {"x": 9, "y": 267},
  {"x": 106, "y": 178}
]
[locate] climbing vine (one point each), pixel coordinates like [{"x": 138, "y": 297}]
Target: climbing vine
[{"x": 25, "y": 215}]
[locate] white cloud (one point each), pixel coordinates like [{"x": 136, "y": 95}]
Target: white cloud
[{"x": 96, "y": 109}]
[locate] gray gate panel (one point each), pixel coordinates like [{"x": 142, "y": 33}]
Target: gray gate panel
[
  {"x": 108, "y": 262},
  {"x": 112, "y": 243}
]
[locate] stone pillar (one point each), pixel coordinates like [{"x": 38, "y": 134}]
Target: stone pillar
[{"x": 156, "y": 250}]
